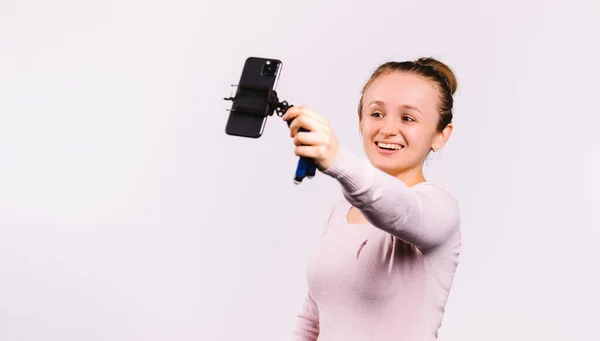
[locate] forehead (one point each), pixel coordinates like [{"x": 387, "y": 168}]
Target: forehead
[{"x": 401, "y": 88}]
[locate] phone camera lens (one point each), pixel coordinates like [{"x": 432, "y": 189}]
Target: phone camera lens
[{"x": 269, "y": 69}]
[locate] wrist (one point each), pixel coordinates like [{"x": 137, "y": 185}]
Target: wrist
[{"x": 352, "y": 172}]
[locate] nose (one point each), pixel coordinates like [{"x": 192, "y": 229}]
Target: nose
[{"x": 390, "y": 126}]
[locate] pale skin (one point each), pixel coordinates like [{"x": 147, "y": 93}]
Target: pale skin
[{"x": 398, "y": 108}]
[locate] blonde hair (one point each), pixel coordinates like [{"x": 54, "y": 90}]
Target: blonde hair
[{"x": 432, "y": 69}]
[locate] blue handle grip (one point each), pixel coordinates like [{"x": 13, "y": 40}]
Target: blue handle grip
[{"x": 306, "y": 166}]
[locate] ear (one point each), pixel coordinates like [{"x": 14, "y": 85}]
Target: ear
[{"x": 442, "y": 137}]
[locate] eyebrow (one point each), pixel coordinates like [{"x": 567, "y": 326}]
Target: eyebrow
[{"x": 405, "y": 106}]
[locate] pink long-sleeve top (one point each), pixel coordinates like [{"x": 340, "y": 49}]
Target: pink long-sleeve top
[{"x": 388, "y": 279}]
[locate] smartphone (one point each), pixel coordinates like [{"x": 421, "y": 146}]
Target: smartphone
[{"x": 251, "y": 105}]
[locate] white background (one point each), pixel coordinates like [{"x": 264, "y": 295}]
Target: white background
[{"x": 127, "y": 213}]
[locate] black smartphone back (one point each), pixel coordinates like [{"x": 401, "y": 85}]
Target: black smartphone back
[{"x": 251, "y": 106}]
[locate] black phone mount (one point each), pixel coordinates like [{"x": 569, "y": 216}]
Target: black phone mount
[{"x": 264, "y": 102}]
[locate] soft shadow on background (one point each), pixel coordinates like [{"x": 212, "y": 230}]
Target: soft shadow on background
[{"x": 126, "y": 213}]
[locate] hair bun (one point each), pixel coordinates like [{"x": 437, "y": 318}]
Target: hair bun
[{"x": 444, "y": 70}]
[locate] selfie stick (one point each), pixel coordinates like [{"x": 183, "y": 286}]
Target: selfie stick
[{"x": 248, "y": 102}]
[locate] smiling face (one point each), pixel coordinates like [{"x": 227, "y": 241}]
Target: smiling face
[{"x": 399, "y": 123}]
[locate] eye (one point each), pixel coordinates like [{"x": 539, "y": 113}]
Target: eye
[
  {"x": 408, "y": 118},
  {"x": 377, "y": 114}
]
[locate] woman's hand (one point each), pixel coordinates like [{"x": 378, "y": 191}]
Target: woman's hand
[{"x": 318, "y": 143}]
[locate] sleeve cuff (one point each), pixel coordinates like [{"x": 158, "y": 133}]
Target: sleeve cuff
[{"x": 353, "y": 173}]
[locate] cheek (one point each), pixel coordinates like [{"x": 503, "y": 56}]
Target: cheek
[
  {"x": 367, "y": 129},
  {"x": 419, "y": 138}
]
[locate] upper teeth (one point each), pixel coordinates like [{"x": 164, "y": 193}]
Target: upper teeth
[{"x": 389, "y": 145}]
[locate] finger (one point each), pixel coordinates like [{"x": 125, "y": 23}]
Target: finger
[
  {"x": 304, "y": 123},
  {"x": 296, "y": 111},
  {"x": 310, "y": 139},
  {"x": 315, "y": 115},
  {"x": 307, "y": 122},
  {"x": 292, "y": 113},
  {"x": 313, "y": 152}
]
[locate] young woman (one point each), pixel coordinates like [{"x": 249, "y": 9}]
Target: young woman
[{"x": 391, "y": 246}]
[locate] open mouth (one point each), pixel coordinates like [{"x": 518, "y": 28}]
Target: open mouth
[{"x": 389, "y": 146}]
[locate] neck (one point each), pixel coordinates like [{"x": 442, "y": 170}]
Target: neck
[{"x": 411, "y": 177}]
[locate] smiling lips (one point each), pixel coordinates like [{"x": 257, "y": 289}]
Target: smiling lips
[{"x": 388, "y": 147}]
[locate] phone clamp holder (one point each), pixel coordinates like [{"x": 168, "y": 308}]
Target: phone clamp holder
[{"x": 264, "y": 102}]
